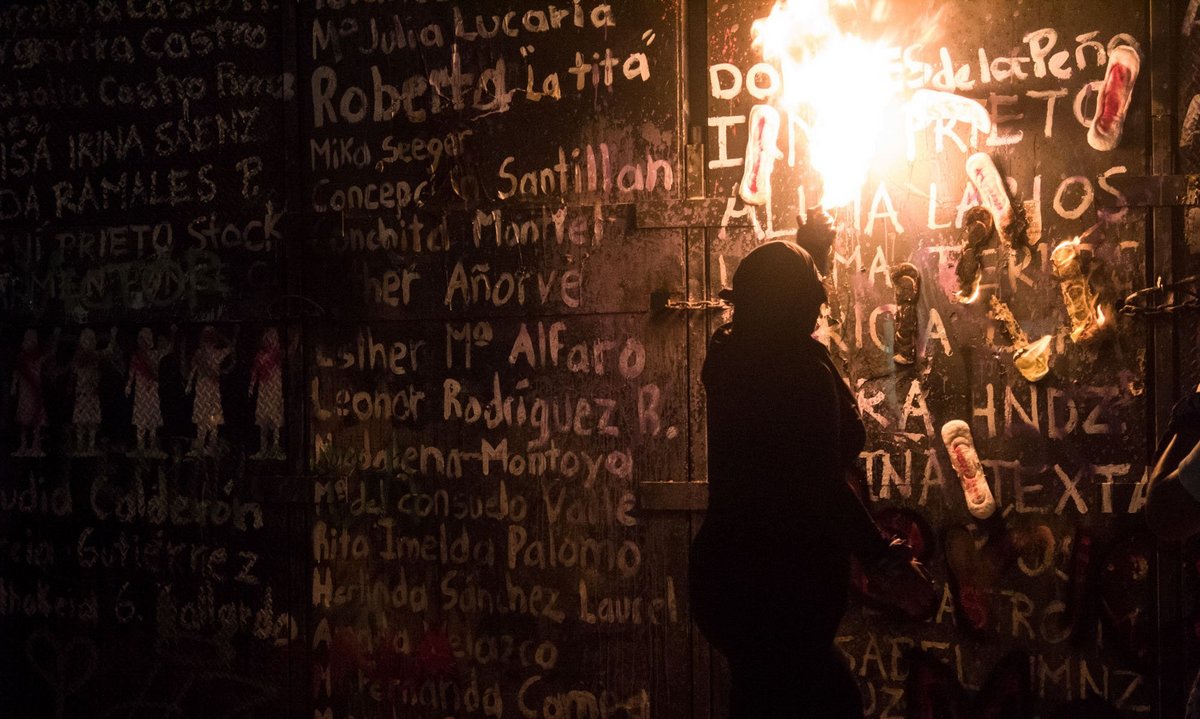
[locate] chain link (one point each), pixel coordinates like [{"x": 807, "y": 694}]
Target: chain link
[
  {"x": 1163, "y": 300},
  {"x": 697, "y": 305},
  {"x": 1161, "y": 309}
]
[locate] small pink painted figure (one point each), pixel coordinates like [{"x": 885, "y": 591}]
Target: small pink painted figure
[
  {"x": 143, "y": 384},
  {"x": 27, "y": 388},
  {"x": 204, "y": 381},
  {"x": 266, "y": 376},
  {"x": 85, "y": 370}
]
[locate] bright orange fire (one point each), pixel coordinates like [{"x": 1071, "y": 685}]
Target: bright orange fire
[
  {"x": 974, "y": 293},
  {"x": 839, "y": 82}
]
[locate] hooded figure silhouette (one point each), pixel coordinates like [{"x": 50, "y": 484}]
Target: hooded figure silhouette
[{"x": 769, "y": 570}]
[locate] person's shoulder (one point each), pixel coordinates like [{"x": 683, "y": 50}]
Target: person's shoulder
[
  {"x": 1186, "y": 412},
  {"x": 718, "y": 352},
  {"x": 721, "y": 342},
  {"x": 722, "y": 334},
  {"x": 818, "y": 349},
  {"x": 815, "y": 369},
  {"x": 814, "y": 353}
]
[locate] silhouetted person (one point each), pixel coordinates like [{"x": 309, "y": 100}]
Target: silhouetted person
[
  {"x": 770, "y": 568},
  {"x": 1173, "y": 504}
]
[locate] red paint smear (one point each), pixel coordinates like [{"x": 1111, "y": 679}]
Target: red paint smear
[
  {"x": 762, "y": 126},
  {"x": 974, "y": 606},
  {"x": 433, "y": 658}
]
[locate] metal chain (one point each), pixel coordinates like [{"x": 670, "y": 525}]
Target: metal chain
[
  {"x": 697, "y": 305},
  {"x": 1162, "y": 300},
  {"x": 1167, "y": 308}
]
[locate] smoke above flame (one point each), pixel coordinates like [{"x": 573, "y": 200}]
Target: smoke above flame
[{"x": 836, "y": 82}]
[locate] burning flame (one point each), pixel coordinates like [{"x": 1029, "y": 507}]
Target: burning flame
[
  {"x": 974, "y": 293},
  {"x": 1065, "y": 253},
  {"x": 1100, "y": 317},
  {"x": 840, "y": 82}
]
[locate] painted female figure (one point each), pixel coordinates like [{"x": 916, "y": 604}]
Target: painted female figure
[
  {"x": 27, "y": 388},
  {"x": 143, "y": 384},
  {"x": 266, "y": 376},
  {"x": 204, "y": 381},
  {"x": 85, "y": 368}
]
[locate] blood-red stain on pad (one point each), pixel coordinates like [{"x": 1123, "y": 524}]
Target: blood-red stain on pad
[
  {"x": 1112, "y": 97},
  {"x": 962, "y": 462}
]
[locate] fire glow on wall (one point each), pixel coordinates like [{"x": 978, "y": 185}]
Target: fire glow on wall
[
  {"x": 837, "y": 75},
  {"x": 841, "y": 82},
  {"x": 822, "y": 48}
]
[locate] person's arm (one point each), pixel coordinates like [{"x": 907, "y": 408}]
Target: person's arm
[
  {"x": 1173, "y": 502},
  {"x": 869, "y": 541},
  {"x": 895, "y": 578},
  {"x": 859, "y": 531},
  {"x": 838, "y": 432}
]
